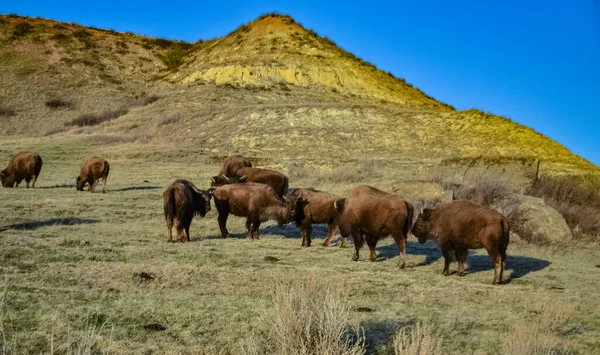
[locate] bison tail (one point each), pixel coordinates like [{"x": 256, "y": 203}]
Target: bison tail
[
  {"x": 505, "y": 225},
  {"x": 170, "y": 205},
  {"x": 106, "y": 170},
  {"x": 38, "y": 165},
  {"x": 409, "y": 218}
]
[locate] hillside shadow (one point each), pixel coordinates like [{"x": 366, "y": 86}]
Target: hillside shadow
[
  {"x": 136, "y": 188},
  {"x": 49, "y": 222},
  {"x": 518, "y": 266}
]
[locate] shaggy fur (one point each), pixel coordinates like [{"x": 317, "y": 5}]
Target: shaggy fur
[
  {"x": 375, "y": 214},
  {"x": 23, "y": 165},
  {"x": 92, "y": 170},
  {"x": 315, "y": 207},
  {"x": 277, "y": 180},
  {"x": 462, "y": 225},
  {"x": 181, "y": 201},
  {"x": 257, "y": 202}
]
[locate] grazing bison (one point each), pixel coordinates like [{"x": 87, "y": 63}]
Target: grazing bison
[
  {"x": 92, "y": 170},
  {"x": 375, "y": 214},
  {"x": 462, "y": 225},
  {"x": 277, "y": 180},
  {"x": 257, "y": 202},
  {"x": 233, "y": 164},
  {"x": 181, "y": 201},
  {"x": 315, "y": 207},
  {"x": 23, "y": 165}
]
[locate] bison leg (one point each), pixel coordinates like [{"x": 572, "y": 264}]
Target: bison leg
[
  {"x": 104, "y": 184},
  {"x": 222, "y": 219},
  {"x": 372, "y": 243},
  {"x": 306, "y": 234},
  {"x": 256, "y": 229},
  {"x": 27, "y": 180},
  {"x": 187, "y": 233},
  {"x": 250, "y": 227},
  {"x": 169, "y": 228},
  {"x": 461, "y": 258},
  {"x": 498, "y": 269},
  {"x": 447, "y": 260},
  {"x": 401, "y": 243},
  {"x": 34, "y": 180},
  {"x": 332, "y": 231},
  {"x": 357, "y": 237}
]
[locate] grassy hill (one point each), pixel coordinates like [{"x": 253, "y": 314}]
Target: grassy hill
[{"x": 271, "y": 89}]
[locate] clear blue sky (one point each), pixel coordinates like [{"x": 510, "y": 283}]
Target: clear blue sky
[{"x": 535, "y": 61}]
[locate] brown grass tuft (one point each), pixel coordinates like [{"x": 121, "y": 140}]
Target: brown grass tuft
[
  {"x": 57, "y": 104},
  {"x": 308, "y": 316},
  {"x": 141, "y": 101},
  {"x": 92, "y": 119},
  {"x": 6, "y": 112},
  {"x": 421, "y": 341}
]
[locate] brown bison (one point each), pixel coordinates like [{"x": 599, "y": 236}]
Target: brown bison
[
  {"x": 462, "y": 225},
  {"x": 275, "y": 179},
  {"x": 375, "y": 214},
  {"x": 257, "y": 202},
  {"x": 23, "y": 165},
  {"x": 233, "y": 164},
  {"x": 315, "y": 207},
  {"x": 181, "y": 201},
  {"x": 92, "y": 170}
]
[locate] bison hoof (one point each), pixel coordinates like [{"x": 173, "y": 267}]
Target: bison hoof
[
  {"x": 402, "y": 266},
  {"x": 497, "y": 283},
  {"x": 445, "y": 273},
  {"x": 461, "y": 274},
  {"x": 355, "y": 258}
]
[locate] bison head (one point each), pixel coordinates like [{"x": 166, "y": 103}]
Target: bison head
[
  {"x": 220, "y": 180},
  {"x": 339, "y": 205},
  {"x": 290, "y": 205},
  {"x": 422, "y": 229},
  {"x": 202, "y": 202},
  {"x": 6, "y": 178},
  {"x": 79, "y": 183}
]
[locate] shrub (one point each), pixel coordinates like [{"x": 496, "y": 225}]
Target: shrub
[
  {"x": 92, "y": 119},
  {"x": 307, "y": 317},
  {"x": 59, "y": 36},
  {"x": 421, "y": 341},
  {"x": 142, "y": 101},
  {"x": 6, "y": 112},
  {"x": 484, "y": 191},
  {"x": 59, "y": 104},
  {"x": 174, "y": 57},
  {"x": 576, "y": 198},
  {"x": 21, "y": 29}
]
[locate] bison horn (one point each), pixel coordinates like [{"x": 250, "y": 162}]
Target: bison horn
[
  {"x": 213, "y": 180},
  {"x": 335, "y": 204}
]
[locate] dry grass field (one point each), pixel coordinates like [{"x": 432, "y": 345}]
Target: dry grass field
[
  {"x": 92, "y": 273},
  {"x": 84, "y": 273}
]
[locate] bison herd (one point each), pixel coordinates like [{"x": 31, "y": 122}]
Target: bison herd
[{"x": 365, "y": 214}]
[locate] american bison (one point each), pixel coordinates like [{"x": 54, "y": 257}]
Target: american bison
[
  {"x": 92, "y": 170},
  {"x": 315, "y": 207},
  {"x": 375, "y": 214},
  {"x": 23, "y": 165},
  {"x": 462, "y": 225},
  {"x": 181, "y": 201},
  {"x": 275, "y": 179},
  {"x": 233, "y": 164},
  {"x": 257, "y": 202}
]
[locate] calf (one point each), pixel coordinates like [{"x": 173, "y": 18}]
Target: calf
[
  {"x": 462, "y": 225},
  {"x": 92, "y": 170},
  {"x": 275, "y": 179},
  {"x": 315, "y": 207},
  {"x": 375, "y": 214},
  {"x": 23, "y": 165},
  {"x": 257, "y": 202},
  {"x": 181, "y": 201}
]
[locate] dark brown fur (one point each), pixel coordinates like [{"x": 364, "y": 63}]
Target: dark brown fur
[
  {"x": 181, "y": 200},
  {"x": 375, "y": 214},
  {"x": 23, "y": 165},
  {"x": 257, "y": 202},
  {"x": 462, "y": 225},
  {"x": 315, "y": 207},
  {"x": 275, "y": 179},
  {"x": 92, "y": 170},
  {"x": 233, "y": 164}
]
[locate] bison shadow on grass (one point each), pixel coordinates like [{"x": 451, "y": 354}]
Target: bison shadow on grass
[
  {"x": 48, "y": 222},
  {"x": 137, "y": 188},
  {"x": 518, "y": 265}
]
